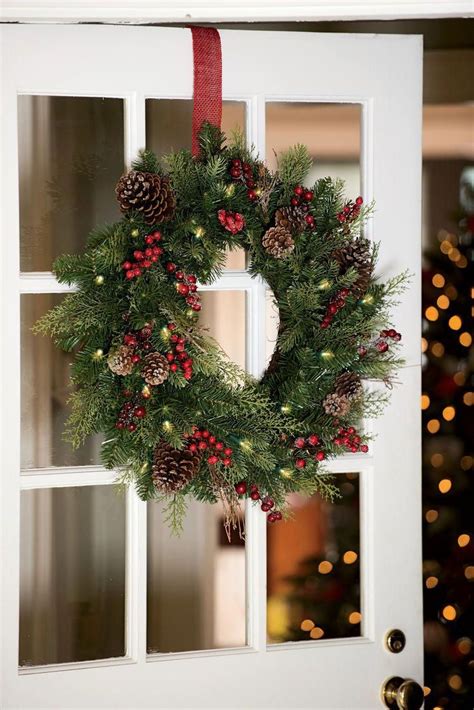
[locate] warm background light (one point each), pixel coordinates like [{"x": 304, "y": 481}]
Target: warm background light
[
  {"x": 324, "y": 567},
  {"x": 464, "y": 540},
  {"x": 449, "y": 612},
  {"x": 445, "y": 485}
]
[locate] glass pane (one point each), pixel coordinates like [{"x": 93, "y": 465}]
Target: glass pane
[
  {"x": 72, "y": 575},
  {"x": 313, "y": 568},
  {"x": 45, "y": 390},
  {"x": 196, "y": 583},
  {"x": 330, "y": 131},
  {"x": 169, "y": 128},
  {"x": 223, "y": 314},
  {"x": 70, "y": 156}
]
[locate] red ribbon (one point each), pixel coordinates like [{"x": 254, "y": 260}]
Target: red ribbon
[{"x": 207, "y": 80}]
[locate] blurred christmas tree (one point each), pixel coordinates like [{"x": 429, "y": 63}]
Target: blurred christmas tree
[{"x": 448, "y": 462}]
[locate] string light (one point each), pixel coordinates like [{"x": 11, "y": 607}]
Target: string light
[
  {"x": 449, "y": 612},
  {"x": 455, "y": 322},
  {"x": 199, "y": 232},
  {"x": 286, "y": 472},
  {"x": 98, "y": 355},
  {"x": 433, "y": 426},
  {"x": 431, "y": 313},
  {"x": 230, "y": 189},
  {"x": 350, "y": 557},
  {"x": 431, "y": 516},
  {"x": 285, "y": 408},
  {"x": 99, "y": 280},
  {"x": 465, "y": 339},
  {"x": 449, "y": 413},
  {"x": 445, "y": 485},
  {"x": 325, "y": 567},
  {"x": 167, "y": 425},
  {"x": 327, "y": 354},
  {"x": 245, "y": 445},
  {"x": 368, "y": 300},
  {"x": 135, "y": 232},
  {"x": 324, "y": 285}
]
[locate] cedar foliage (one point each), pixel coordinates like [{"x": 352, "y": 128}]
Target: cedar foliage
[{"x": 258, "y": 419}]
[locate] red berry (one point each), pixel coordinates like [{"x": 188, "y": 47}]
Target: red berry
[
  {"x": 170, "y": 357},
  {"x": 241, "y": 488},
  {"x": 196, "y": 307},
  {"x": 254, "y": 487},
  {"x": 382, "y": 347},
  {"x": 136, "y": 358},
  {"x": 149, "y": 239},
  {"x": 272, "y": 518},
  {"x": 146, "y": 263},
  {"x": 129, "y": 339},
  {"x": 228, "y": 452},
  {"x": 235, "y": 172},
  {"x": 192, "y": 279},
  {"x": 309, "y": 219},
  {"x": 174, "y": 367},
  {"x": 320, "y": 456},
  {"x": 202, "y": 445},
  {"x": 132, "y": 426},
  {"x": 205, "y": 434},
  {"x": 130, "y": 274},
  {"x": 364, "y": 448},
  {"x": 226, "y": 461},
  {"x": 126, "y": 265},
  {"x": 255, "y": 495},
  {"x": 278, "y": 515},
  {"x": 391, "y": 333},
  {"x": 120, "y": 425},
  {"x": 252, "y": 195},
  {"x": 268, "y": 502},
  {"x": 300, "y": 463},
  {"x": 299, "y": 189},
  {"x": 308, "y": 195},
  {"x": 219, "y": 445},
  {"x": 362, "y": 351},
  {"x": 187, "y": 374},
  {"x": 192, "y": 447},
  {"x": 213, "y": 459},
  {"x": 295, "y": 201},
  {"x": 246, "y": 167},
  {"x": 351, "y": 430},
  {"x": 139, "y": 412},
  {"x": 236, "y": 163},
  {"x": 187, "y": 364},
  {"x": 138, "y": 255},
  {"x": 171, "y": 326},
  {"x": 170, "y": 267},
  {"x": 313, "y": 439},
  {"x": 156, "y": 236},
  {"x": 183, "y": 289},
  {"x": 359, "y": 200},
  {"x": 137, "y": 272},
  {"x": 179, "y": 275},
  {"x": 299, "y": 442},
  {"x": 265, "y": 508},
  {"x": 325, "y": 323}
]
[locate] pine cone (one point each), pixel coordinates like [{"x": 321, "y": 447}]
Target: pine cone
[
  {"x": 155, "y": 369},
  {"x": 120, "y": 360},
  {"x": 173, "y": 468},
  {"x": 336, "y": 406},
  {"x": 356, "y": 254},
  {"x": 348, "y": 385},
  {"x": 291, "y": 218},
  {"x": 147, "y": 193},
  {"x": 278, "y": 242}
]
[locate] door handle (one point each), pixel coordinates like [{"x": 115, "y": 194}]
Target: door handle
[{"x": 402, "y": 693}]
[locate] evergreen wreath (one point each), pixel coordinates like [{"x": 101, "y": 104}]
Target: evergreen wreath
[{"x": 179, "y": 418}]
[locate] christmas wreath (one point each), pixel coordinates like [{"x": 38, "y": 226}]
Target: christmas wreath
[{"x": 179, "y": 418}]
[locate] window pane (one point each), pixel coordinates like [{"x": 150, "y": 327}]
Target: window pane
[
  {"x": 45, "y": 390},
  {"x": 169, "y": 128},
  {"x": 196, "y": 583},
  {"x": 70, "y": 156},
  {"x": 72, "y": 575},
  {"x": 313, "y": 568},
  {"x": 330, "y": 131}
]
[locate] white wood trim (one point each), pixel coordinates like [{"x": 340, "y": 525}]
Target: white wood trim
[{"x": 194, "y": 11}]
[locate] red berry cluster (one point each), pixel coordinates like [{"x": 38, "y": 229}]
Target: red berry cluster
[
  {"x": 350, "y": 211},
  {"x": 139, "y": 340},
  {"x": 381, "y": 343},
  {"x": 177, "y": 356},
  {"x": 129, "y": 414},
  {"x": 350, "y": 439},
  {"x": 144, "y": 258},
  {"x": 311, "y": 445},
  {"x": 243, "y": 172},
  {"x": 335, "y": 305},
  {"x": 301, "y": 198},
  {"x": 267, "y": 502},
  {"x": 185, "y": 286},
  {"x": 203, "y": 440},
  {"x": 233, "y": 222}
]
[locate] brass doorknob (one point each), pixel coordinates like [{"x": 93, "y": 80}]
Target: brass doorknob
[{"x": 402, "y": 693}]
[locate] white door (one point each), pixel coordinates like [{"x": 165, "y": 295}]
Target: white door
[{"x": 62, "y": 570}]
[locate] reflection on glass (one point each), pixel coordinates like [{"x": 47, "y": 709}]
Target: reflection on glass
[
  {"x": 72, "y": 575},
  {"x": 330, "y": 131},
  {"x": 313, "y": 568},
  {"x": 70, "y": 157},
  {"x": 196, "y": 583},
  {"x": 169, "y": 128},
  {"x": 223, "y": 314},
  {"x": 45, "y": 390}
]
